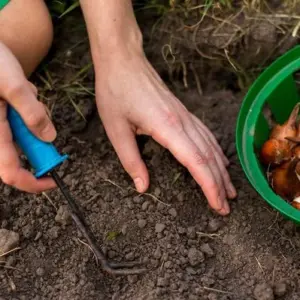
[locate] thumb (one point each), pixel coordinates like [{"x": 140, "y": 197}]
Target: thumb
[{"x": 124, "y": 142}]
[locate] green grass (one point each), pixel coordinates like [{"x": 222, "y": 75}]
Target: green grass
[
  {"x": 190, "y": 15},
  {"x": 61, "y": 8}
]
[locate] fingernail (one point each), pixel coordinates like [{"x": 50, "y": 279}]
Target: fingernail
[
  {"x": 232, "y": 191},
  {"x": 49, "y": 133},
  {"x": 220, "y": 202},
  {"x": 139, "y": 184},
  {"x": 225, "y": 210},
  {"x": 227, "y": 161}
]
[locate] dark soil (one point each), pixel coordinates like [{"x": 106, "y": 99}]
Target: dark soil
[{"x": 190, "y": 252}]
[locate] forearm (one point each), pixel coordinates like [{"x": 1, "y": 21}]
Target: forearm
[{"x": 112, "y": 28}]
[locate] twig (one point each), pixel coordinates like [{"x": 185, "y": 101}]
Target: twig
[
  {"x": 113, "y": 183},
  {"x": 209, "y": 235},
  {"x": 12, "y": 250},
  {"x": 152, "y": 196},
  {"x": 9, "y": 267},
  {"x": 87, "y": 245},
  {"x": 199, "y": 88},
  {"x": 273, "y": 275},
  {"x": 185, "y": 83},
  {"x": 49, "y": 199},
  {"x": 92, "y": 198},
  {"x": 217, "y": 290},
  {"x": 260, "y": 266}
]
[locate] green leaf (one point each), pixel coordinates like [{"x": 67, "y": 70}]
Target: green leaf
[
  {"x": 70, "y": 8},
  {"x": 111, "y": 235}
]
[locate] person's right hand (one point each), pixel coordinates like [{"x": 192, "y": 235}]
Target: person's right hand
[{"x": 18, "y": 92}]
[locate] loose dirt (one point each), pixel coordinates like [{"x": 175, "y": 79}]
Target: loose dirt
[{"x": 190, "y": 252}]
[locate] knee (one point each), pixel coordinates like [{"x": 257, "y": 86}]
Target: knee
[{"x": 26, "y": 28}]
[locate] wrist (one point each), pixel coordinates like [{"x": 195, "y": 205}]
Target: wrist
[{"x": 123, "y": 45}]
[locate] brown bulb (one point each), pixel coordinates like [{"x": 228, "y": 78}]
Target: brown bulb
[
  {"x": 275, "y": 152},
  {"x": 296, "y": 203},
  {"x": 285, "y": 179},
  {"x": 289, "y": 128}
]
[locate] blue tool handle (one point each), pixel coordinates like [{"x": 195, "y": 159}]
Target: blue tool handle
[{"x": 42, "y": 156}]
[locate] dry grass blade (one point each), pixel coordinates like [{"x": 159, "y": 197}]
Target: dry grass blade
[
  {"x": 152, "y": 196},
  {"x": 49, "y": 199},
  {"x": 10, "y": 251},
  {"x": 76, "y": 107},
  {"x": 89, "y": 247},
  {"x": 217, "y": 290},
  {"x": 259, "y": 265},
  {"x": 83, "y": 71},
  {"x": 113, "y": 183},
  {"x": 208, "y": 235}
]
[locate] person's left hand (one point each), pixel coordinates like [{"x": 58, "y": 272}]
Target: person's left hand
[{"x": 133, "y": 100}]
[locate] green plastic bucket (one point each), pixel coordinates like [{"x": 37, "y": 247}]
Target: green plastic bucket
[{"x": 277, "y": 88}]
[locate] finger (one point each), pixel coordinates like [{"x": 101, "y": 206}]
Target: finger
[
  {"x": 123, "y": 139},
  {"x": 172, "y": 136},
  {"x": 212, "y": 139},
  {"x": 230, "y": 190},
  {"x": 25, "y": 181},
  {"x": 210, "y": 154},
  {"x": 33, "y": 88},
  {"x": 11, "y": 172},
  {"x": 18, "y": 149},
  {"x": 21, "y": 96}
]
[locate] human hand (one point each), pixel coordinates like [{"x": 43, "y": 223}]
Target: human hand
[
  {"x": 132, "y": 99},
  {"x": 16, "y": 91}
]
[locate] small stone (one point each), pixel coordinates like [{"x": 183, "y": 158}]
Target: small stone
[
  {"x": 168, "y": 264},
  {"x": 145, "y": 205},
  {"x": 157, "y": 253},
  {"x": 111, "y": 253},
  {"x": 162, "y": 281},
  {"x": 180, "y": 197},
  {"x": 280, "y": 289},
  {"x": 263, "y": 291},
  {"x": 142, "y": 223},
  {"x": 11, "y": 260},
  {"x": 132, "y": 278},
  {"x": 130, "y": 204},
  {"x": 157, "y": 191},
  {"x": 38, "y": 211},
  {"x": 73, "y": 278},
  {"x": 129, "y": 256},
  {"x": 191, "y": 271},
  {"x": 208, "y": 281},
  {"x": 27, "y": 231},
  {"x": 195, "y": 257},
  {"x": 228, "y": 239},
  {"x": 191, "y": 233},
  {"x": 53, "y": 232},
  {"x": 63, "y": 215},
  {"x": 137, "y": 199},
  {"x": 8, "y": 240},
  {"x": 159, "y": 227},
  {"x": 173, "y": 212},
  {"x": 181, "y": 230},
  {"x": 124, "y": 229},
  {"x": 205, "y": 248},
  {"x": 40, "y": 271},
  {"x": 212, "y": 296},
  {"x": 38, "y": 236},
  {"x": 160, "y": 206},
  {"x": 68, "y": 180},
  {"x": 213, "y": 225}
]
